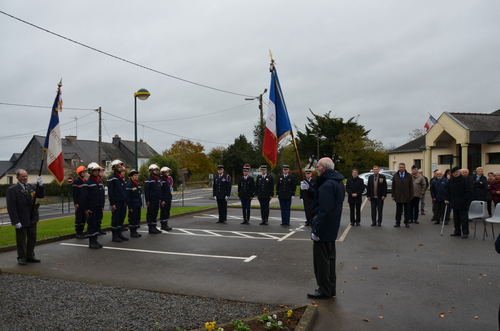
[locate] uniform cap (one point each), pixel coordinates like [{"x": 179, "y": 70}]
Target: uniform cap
[
  {"x": 264, "y": 166},
  {"x": 220, "y": 166},
  {"x": 286, "y": 166},
  {"x": 308, "y": 171},
  {"x": 132, "y": 172},
  {"x": 246, "y": 167}
]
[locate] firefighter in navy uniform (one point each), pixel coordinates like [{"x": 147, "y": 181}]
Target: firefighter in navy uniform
[
  {"x": 80, "y": 218},
  {"x": 93, "y": 204},
  {"x": 264, "y": 190},
  {"x": 116, "y": 194},
  {"x": 166, "y": 197},
  {"x": 152, "y": 191},
  {"x": 312, "y": 184},
  {"x": 221, "y": 192},
  {"x": 246, "y": 191},
  {"x": 285, "y": 190},
  {"x": 133, "y": 200}
]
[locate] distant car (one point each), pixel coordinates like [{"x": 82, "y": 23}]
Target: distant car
[{"x": 386, "y": 173}]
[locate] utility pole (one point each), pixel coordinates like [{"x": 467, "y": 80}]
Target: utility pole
[
  {"x": 76, "y": 120},
  {"x": 100, "y": 138}
]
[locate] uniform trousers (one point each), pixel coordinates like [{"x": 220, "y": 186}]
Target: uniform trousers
[
  {"x": 245, "y": 204},
  {"x": 222, "y": 207},
  {"x": 377, "y": 205},
  {"x": 80, "y": 219},
  {"x": 152, "y": 213},
  {"x": 285, "y": 205},
  {"x": 26, "y": 240},
  {"x": 94, "y": 221},
  {"x": 118, "y": 216},
  {"x": 134, "y": 218},
  {"x": 165, "y": 210},
  {"x": 400, "y": 208},
  {"x": 324, "y": 267}
]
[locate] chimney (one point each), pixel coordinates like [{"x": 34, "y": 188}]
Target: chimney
[
  {"x": 71, "y": 139},
  {"x": 116, "y": 140}
]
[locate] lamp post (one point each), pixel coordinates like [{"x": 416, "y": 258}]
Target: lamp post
[{"x": 142, "y": 94}]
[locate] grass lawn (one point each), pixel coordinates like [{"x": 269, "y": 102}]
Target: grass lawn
[{"x": 66, "y": 225}]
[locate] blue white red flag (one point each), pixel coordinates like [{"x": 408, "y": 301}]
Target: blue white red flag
[
  {"x": 430, "y": 123},
  {"x": 53, "y": 142},
  {"x": 277, "y": 121}
]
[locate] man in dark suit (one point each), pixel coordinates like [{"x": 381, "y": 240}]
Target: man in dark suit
[
  {"x": 285, "y": 190},
  {"x": 221, "y": 192},
  {"x": 355, "y": 187},
  {"x": 24, "y": 215},
  {"x": 264, "y": 190},
  {"x": 402, "y": 193},
  {"x": 376, "y": 192}
]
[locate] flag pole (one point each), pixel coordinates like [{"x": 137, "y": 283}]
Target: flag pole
[{"x": 306, "y": 196}]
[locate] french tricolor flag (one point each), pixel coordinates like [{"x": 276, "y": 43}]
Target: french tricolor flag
[
  {"x": 53, "y": 142},
  {"x": 430, "y": 123},
  {"x": 277, "y": 122}
]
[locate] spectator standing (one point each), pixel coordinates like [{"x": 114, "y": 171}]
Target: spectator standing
[
  {"x": 328, "y": 198},
  {"x": 376, "y": 192},
  {"x": 402, "y": 193},
  {"x": 312, "y": 184},
  {"x": 438, "y": 195},
  {"x": 285, "y": 190},
  {"x": 480, "y": 191},
  {"x": 422, "y": 200},
  {"x": 418, "y": 193},
  {"x": 459, "y": 193},
  {"x": 495, "y": 188},
  {"x": 491, "y": 178},
  {"x": 264, "y": 191},
  {"x": 246, "y": 191},
  {"x": 24, "y": 215},
  {"x": 355, "y": 187}
]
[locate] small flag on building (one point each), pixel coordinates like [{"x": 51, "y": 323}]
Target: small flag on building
[
  {"x": 53, "y": 142},
  {"x": 430, "y": 123},
  {"x": 277, "y": 122}
]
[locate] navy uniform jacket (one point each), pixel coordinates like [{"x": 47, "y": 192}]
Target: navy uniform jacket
[
  {"x": 246, "y": 187},
  {"x": 93, "y": 193},
  {"x": 312, "y": 184},
  {"x": 116, "y": 189},
  {"x": 285, "y": 187},
  {"x": 222, "y": 186},
  {"x": 152, "y": 189},
  {"x": 265, "y": 187},
  {"x": 20, "y": 203},
  {"x": 166, "y": 184},
  {"x": 77, "y": 190},
  {"x": 133, "y": 195},
  {"x": 381, "y": 186}
]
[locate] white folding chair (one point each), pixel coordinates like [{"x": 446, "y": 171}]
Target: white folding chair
[
  {"x": 494, "y": 219},
  {"x": 477, "y": 212}
]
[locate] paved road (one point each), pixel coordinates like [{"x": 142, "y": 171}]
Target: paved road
[{"x": 388, "y": 278}]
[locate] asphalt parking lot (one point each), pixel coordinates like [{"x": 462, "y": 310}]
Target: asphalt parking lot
[{"x": 387, "y": 278}]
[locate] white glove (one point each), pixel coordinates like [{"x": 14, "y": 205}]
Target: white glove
[
  {"x": 171, "y": 189},
  {"x": 292, "y": 197},
  {"x": 304, "y": 185},
  {"x": 18, "y": 226},
  {"x": 39, "y": 180},
  {"x": 302, "y": 200},
  {"x": 314, "y": 237},
  {"x": 215, "y": 198},
  {"x": 227, "y": 198}
]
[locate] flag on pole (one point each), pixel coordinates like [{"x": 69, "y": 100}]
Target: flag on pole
[
  {"x": 430, "y": 123},
  {"x": 53, "y": 142},
  {"x": 277, "y": 121}
]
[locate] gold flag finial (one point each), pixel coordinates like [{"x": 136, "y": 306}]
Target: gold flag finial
[{"x": 60, "y": 83}]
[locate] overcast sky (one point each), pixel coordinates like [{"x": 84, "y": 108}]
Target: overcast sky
[{"x": 388, "y": 62}]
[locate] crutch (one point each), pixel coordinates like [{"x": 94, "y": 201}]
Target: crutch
[{"x": 444, "y": 217}]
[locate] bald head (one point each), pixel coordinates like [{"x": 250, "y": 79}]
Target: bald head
[{"x": 325, "y": 164}]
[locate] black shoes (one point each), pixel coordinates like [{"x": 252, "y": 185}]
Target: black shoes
[
  {"x": 465, "y": 236},
  {"x": 33, "y": 260},
  {"x": 397, "y": 225},
  {"x": 416, "y": 222},
  {"x": 407, "y": 226},
  {"x": 455, "y": 235},
  {"x": 317, "y": 295},
  {"x": 22, "y": 261}
]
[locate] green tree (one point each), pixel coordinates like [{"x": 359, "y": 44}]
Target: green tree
[
  {"x": 190, "y": 155},
  {"x": 238, "y": 154},
  {"x": 215, "y": 155},
  {"x": 161, "y": 161}
]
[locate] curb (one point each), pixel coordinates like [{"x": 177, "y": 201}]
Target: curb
[
  {"x": 305, "y": 324},
  {"x": 108, "y": 228}
]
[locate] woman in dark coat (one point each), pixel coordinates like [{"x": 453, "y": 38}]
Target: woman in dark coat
[{"x": 480, "y": 191}]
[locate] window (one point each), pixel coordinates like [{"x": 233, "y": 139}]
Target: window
[
  {"x": 445, "y": 159},
  {"x": 75, "y": 163},
  {"x": 494, "y": 158},
  {"x": 418, "y": 163},
  {"x": 10, "y": 180},
  {"x": 108, "y": 165}
]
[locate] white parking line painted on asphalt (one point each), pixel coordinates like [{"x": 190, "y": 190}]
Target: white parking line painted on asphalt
[
  {"x": 245, "y": 259},
  {"x": 291, "y": 233}
]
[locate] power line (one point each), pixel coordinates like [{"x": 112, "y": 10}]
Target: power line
[{"x": 124, "y": 60}]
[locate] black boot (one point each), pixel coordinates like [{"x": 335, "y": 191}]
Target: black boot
[
  {"x": 134, "y": 234},
  {"x": 244, "y": 217},
  {"x": 153, "y": 229},
  {"x": 248, "y": 216},
  {"x": 114, "y": 233},
  {"x": 121, "y": 236},
  {"x": 164, "y": 225},
  {"x": 80, "y": 235},
  {"x": 265, "y": 217},
  {"x": 93, "y": 242}
]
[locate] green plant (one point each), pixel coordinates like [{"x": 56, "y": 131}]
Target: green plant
[
  {"x": 240, "y": 325},
  {"x": 271, "y": 322}
]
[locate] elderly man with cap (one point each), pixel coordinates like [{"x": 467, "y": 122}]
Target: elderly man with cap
[
  {"x": 307, "y": 207},
  {"x": 80, "y": 218},
  {"x": 459, "y": 194},
  {"x": 246, "y": 190},
  {"x": 264, "y": 191},
  {"x": 133, "y": 200},
  {"x": 285, "y": 189},
  {"x": 221, "y": 192}
]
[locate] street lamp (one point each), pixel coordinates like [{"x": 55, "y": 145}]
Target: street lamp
[{"x": 142, "y": 94}]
